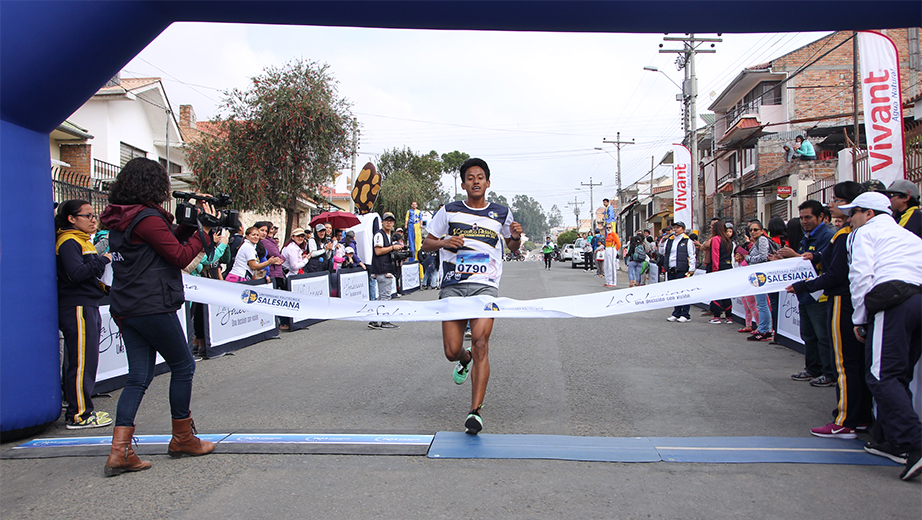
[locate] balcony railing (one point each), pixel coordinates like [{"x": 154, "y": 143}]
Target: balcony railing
[{"x": 740, "y": 111}]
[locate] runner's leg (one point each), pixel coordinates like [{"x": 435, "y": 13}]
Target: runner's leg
[
  {"x": 480, "y": 372},
  {"x": 453, "y": 339}
]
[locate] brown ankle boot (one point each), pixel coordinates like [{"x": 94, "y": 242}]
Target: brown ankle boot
[
  {"x": 122, "y": 458},
  {"x": 185, "y": 442}
]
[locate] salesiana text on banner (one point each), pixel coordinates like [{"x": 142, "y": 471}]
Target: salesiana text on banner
[{"x": 758, "y": 279}]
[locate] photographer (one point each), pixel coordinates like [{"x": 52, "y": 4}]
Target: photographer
[
  {"x": 383, "y": 266},
  {"x": 147, "y": 258}
]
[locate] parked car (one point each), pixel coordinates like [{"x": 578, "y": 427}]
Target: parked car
[
  {"x": 576, "y": 260},
  {"x": 567, "y": 252}
]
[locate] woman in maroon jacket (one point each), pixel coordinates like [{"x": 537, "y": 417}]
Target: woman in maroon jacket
[{"x": 148, "y": 255}]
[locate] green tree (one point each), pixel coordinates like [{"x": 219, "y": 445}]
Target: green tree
[
  {"x": 283, "y": 137},
  {"x": 397, "y": 193},
  {"x": 567, "y": 237},
  {"x": 554, "y": 218},
  {"x": 427, "y": 191},
  {"x": 529, "y": 214},
  {"x": 529, "y": 245},
  {"x": 497, "y": 199},
  {"x": 451, "y": 165}
]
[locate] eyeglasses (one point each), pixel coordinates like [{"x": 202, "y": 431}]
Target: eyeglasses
[
  {"x": 88, "y": 216},
  {"x": 755, "y": 229},
  {"x": 855, "y": 211}
]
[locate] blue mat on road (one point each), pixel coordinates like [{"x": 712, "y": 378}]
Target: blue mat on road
[
  {"x": 812, "y": 450},
  {"x": 453, "y": 445}
]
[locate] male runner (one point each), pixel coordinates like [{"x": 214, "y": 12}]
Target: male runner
[{"x": 469, "y": 232}]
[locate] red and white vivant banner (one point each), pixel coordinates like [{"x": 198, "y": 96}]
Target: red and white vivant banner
[
  {"x": 883, "y": 117},
  {"x": 682, "y": 186}
]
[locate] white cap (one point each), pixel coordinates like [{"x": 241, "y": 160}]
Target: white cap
[
  {"x": 350, "y": 250},
  {"x": 870, "y": 200}
]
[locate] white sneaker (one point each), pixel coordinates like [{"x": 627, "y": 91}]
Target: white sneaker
[
  {"x": 671, "y": 318},
  {"x": 683, "y": 319}
]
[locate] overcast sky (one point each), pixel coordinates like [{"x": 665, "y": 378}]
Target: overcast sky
[{"x": 533, "y": 105}]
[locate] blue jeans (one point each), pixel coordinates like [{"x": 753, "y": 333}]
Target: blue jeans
[
  {"x": 429, "y": 278},
  {"x": 633, "y": 271},
  {"x": 814, "y": 331},
  {"x": 372, "y": 289},
  {"x": 144, "y": 337},
  {"x": 680, "y": 311},
  {"x": 765, "y": 317}
]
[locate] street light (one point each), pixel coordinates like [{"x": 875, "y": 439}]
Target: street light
[{"x": 654, "y": 69}]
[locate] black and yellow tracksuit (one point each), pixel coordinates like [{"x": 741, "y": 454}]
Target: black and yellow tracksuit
[
  {"x": 79, "y": 291},
  {"x": 852, "y": 394}
]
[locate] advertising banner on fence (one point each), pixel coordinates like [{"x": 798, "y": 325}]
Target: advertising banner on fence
[
  {"x": 789, "y": 316},
  {"x": 682, "y": 186},
  {"x": 758, "y": 279},
  {"x": 229, "y": 328},
  {"x": 308, "y": 284},
  {"x": 113, "y": 361},
  {"x": 883, "y": 115},
  {"x": 409, "y": 272},
  {"x": 353, "y": 284}
]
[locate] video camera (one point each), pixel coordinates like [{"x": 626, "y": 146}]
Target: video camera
[{"x": 188, "y": 214}]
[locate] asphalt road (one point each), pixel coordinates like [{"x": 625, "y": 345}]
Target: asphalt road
[{"x": 625, "y": 376}]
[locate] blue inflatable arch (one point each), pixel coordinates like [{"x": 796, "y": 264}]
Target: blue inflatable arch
[{"x": 55, "y": 55}]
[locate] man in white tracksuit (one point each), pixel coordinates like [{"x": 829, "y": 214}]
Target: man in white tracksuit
[{"x": 885, "y": 279}]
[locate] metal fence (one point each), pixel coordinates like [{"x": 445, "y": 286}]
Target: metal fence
[{"x": 68, "y": 185}]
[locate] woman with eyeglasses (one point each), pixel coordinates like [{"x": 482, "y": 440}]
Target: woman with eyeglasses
[
  {"x": 148, "y": 257},
  {"x": 79, "y": 269}
]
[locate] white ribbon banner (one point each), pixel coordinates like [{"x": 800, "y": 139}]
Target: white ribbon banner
[
  {"x": 883, "y": 115},
  {"x": 756, "y": 279}
]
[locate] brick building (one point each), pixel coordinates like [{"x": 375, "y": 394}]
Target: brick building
[{"x": 806, "y": 92}]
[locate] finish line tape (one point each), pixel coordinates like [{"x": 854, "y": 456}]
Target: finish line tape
[{"x": 755, "y": 279}]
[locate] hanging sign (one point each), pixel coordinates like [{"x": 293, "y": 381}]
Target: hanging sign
[{"x": 883, "y": 115}]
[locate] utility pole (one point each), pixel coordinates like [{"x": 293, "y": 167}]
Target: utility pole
[
  {"x": 619, "y": 143},
  {"x": 686, "y": 61},
  {"x": 355, "y": 145},
  {"x": 576, "y": 203},
  {"x": 591, "y": 202},
  {"x": 855, "y": 93}
]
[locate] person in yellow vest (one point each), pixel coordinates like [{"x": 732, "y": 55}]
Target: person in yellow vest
[{"x": 904, "y": 200}]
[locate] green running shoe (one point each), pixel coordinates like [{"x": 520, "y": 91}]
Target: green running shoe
[
  {"x": 474, "y": 423},
  {"x": 461, "y": 371}
]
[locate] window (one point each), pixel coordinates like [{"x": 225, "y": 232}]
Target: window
[
  {"x": 172, "y": 168},
  {"x": 732, "y": 164},
  {"x": 128, "y": 152},
  {"x": 770, "y": 92},
  {"x": 749, "y": 157}
]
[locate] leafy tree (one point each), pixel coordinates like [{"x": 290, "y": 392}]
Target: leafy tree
[
  {"x": 498, "y": 199},
  {"x": 567, "y": 237},
  {"x": 283, "y": 137},
  {"x": 529, "y": 245},
  {"x": 554, "y": 218},
  {"x": 426, "y": 169},
  {"x": 451, "y": 165},
  {"x": 397, "y": 193},
  {"x": 529, "y": 214}
]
